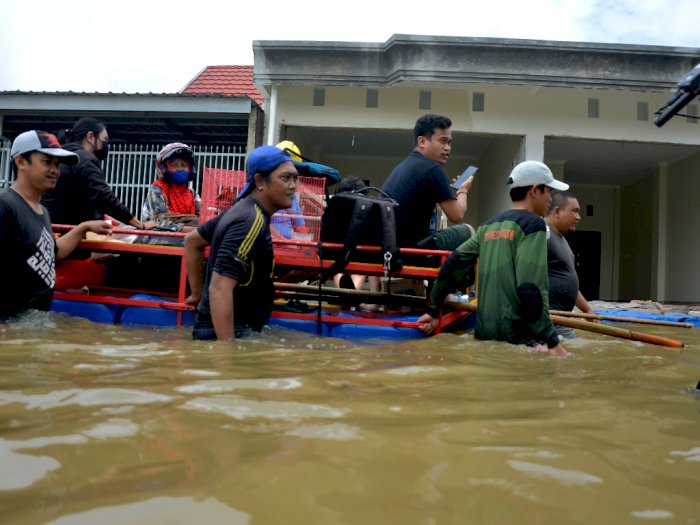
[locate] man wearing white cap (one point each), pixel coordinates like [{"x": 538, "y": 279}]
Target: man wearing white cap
[
  {"x": 513, "y": 289},
  {"x": 29, "y": 247}
]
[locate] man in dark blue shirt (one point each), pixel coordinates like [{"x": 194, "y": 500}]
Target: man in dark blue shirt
[{"x": 420, "y": 182}]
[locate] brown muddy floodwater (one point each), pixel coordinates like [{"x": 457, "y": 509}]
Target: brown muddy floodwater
[{"x": 110, "y": 425}]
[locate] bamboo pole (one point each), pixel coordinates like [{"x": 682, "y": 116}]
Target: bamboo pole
[
  {"x": 355, "y": 295},
  {"x": 592, "y": 327},
  {"x": 616, "y": 332}
]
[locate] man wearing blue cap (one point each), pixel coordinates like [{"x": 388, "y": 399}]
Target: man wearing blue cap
[
  {"x": 235, "y": 295},
  {"x": 29, "y": 247}
]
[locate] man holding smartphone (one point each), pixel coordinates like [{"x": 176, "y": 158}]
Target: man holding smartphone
[{"x": 420, "y": 182}]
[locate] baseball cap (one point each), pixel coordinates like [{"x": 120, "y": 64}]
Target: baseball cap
[
  {"x": 532, "y": 172},
  {"x": 262, "y": 160},
  {"x": 43, "y": 142}
]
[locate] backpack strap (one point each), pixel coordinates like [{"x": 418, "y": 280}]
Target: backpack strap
[
  {"x": 358, "y": 222},
  {"x": 389, "y": 247}
]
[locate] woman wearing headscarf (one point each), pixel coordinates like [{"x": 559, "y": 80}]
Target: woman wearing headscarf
[{"x": 170, "y": 203}]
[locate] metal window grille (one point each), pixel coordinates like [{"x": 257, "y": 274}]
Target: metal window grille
[
  {"x": 131, "y": 168},
  {"x": 5, "y": 167}
]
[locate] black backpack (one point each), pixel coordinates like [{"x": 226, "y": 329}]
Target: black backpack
[{"x": 355, "y": 218}]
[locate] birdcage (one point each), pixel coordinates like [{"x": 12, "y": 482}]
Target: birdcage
[
  {"x": 220, "y": 188},
  {"x": 301, "y": 222}
]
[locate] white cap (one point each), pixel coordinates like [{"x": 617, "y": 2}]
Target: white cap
[
  {"x": 532, "y": 172},
  {"x": 43, "y": 142}
]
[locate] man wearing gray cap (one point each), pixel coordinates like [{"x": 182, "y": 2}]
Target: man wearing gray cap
[
  {"x": 513, "y": 289},
  {"x": 29, "y": 247}
]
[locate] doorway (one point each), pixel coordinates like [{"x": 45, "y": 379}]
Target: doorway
[{"x": 586, "y": 247}]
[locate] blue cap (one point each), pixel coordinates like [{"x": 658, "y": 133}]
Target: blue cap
[{"x": 262, "y": 160}]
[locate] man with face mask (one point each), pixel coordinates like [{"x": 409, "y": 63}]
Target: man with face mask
[
  {"x": 82, "y": 193},
  {"x": 170, "y": 203}
]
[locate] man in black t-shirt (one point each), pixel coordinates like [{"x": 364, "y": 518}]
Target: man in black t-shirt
[
  {"x": 236, "y": 293},
  {"x": 420, "y": 182},
  {"x": 29, "y": 247}
]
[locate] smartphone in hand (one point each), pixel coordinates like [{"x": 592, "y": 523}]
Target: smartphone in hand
[{"x": 471, "y": 170}]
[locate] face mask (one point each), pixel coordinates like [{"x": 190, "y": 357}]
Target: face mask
[
  {"x": 101, "y": 154},
  {"x": 179, "y": 177}
]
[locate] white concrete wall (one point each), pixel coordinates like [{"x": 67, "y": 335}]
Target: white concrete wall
[
  {"x": 494, "y": 167},
  {"x": 510, "y": 110},
  {"x": 682, "y": 232}
]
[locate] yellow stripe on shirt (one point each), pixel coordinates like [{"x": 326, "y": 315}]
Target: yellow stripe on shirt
[{"x": 252, "y": 234}]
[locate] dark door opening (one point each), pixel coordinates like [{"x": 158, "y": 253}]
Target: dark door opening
[{"x": 586, "y": 248}]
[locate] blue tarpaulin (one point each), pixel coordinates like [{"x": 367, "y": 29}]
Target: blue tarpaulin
[{"x": 676, "y": 317}]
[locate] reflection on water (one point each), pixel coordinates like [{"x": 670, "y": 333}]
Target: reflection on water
[{"x": 112, "y": 425}]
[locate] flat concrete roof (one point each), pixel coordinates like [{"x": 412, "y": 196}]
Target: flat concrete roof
[{"x": 416, "y": 60}]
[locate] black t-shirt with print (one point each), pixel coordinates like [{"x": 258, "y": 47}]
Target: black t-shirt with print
[{"x": 28, "y": 261}]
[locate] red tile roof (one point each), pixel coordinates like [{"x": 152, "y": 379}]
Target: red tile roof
[{"x": 225, "y": 80}]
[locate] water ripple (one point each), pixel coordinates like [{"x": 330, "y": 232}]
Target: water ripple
[
  {"x": 240, "y": 384},
  {"x": 160, "y": 510},
  {"x": 90, "y": 397},
  {"x": 565, "y": 477},
  {"x": 240, "y": 409}
]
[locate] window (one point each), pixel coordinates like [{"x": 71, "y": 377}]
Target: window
[
  {"x": 478, "y": 102},
  {"x": 372, "y": 98},
  {"x": 425, "y": 100},
  {"x": 593, "y": 109},
  {"x": 319, "y": 96},
  {"x": 642, "y": 111}
]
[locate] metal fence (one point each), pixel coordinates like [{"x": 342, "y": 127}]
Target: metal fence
[
  {"x": 131, "y": 168},
  {"x": 5, "y": 169}
]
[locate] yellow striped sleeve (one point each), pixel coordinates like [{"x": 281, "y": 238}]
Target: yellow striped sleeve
[{"x": 252, "y": 234}]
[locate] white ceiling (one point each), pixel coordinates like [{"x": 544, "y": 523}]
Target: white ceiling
[
  {"x": 615, "y": 163},
  {"x": 593, "y": 162}
]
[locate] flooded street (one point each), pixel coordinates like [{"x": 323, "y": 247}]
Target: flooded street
[{"x": 112, "y": 425}]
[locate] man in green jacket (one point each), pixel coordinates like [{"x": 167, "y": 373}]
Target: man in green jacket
[{"x": 512, "y": 251}]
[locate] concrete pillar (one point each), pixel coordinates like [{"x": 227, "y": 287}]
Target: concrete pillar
[
  {"x": 272, "y": 117},
  {"x": 658, "y": 234},
  {"x": 616, "y": 246},
  {"x": 533, "y": 147}
]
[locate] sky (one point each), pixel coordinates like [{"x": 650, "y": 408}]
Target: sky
[{"x": 156, "y": 46}]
